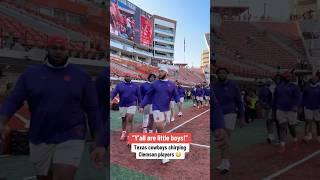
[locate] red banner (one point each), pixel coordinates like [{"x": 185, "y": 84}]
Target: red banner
[
  {"x": 159, "y": 138},
  {"x": 145, "y": 31}
]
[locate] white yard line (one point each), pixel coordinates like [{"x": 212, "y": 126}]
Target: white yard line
[
  {"x": 278, "y": 173},
  {"x": 200, "y": 145},
  {"x": 194, "y": 144},
  {"x": 31, "y": 177},
  {"x": 171, "y": 130}
]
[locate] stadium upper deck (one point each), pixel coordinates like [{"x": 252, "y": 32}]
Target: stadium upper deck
[
  {"x": 260, "y": 49},
  {"x": 42, "y": 18}
]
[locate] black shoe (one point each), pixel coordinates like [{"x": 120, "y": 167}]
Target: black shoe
[
  {"x": 269, "y": 141},
  {"x": 225, "y": 171}
]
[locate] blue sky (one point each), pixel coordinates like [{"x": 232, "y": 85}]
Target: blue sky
[{"x": 193, "y": 21}]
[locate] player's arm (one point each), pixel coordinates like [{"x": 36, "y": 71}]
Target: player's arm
[
  {"x": 142, "y": 93},
  {"x": 115, "y": 92},
  {"x": 239, "y": 102},
  {"x": 217, "y": 121},
  {"x": 275, "y": 99},
  {"x": 217, "y": 125},
  {"x": 102, "y": 82},
  {"x": 177, "y": 97},
  {"x": 98, "y": 154},
  {"x": 139, "y": 96},
  {"x": 13, "y": 102},
  {"x": 303, "y": 95},
  {"x": 91, "y": 108},
  {"x": 298, "y": 98},
  {"x": 183, "y": 92},
  {"x": 261, "y": 98},
  {"x": 148, "y": 96}
]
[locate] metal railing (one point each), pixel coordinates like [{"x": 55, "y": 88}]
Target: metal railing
[
  {"x": 164, "y": 39},
  {"x": 164, "y": 47},
  {"x": 164, "y": 30}
]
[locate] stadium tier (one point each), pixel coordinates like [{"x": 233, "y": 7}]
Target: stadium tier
[
  {"x": 139, "y": 71},
  {"x": 28, "y": 36},
  {"x": 253, "y": 44},
  {"x": 92, "y": 47},
  {"x": 288, "y": 32},
  {"x": 259, "y": 49}
]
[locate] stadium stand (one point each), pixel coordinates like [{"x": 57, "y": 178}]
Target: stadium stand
[
  {"x": 253, "y": 44},
  {"x": 90, "y": 27},
  {"x": 260, "y": 49},
  {"x": 140, "y": 71}
]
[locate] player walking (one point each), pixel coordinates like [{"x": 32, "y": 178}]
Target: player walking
[
  {"x": 130, "y": 98},
  {"x": 182, "y": 94},
  {"x": 147, "y": 124},
  {"x": 286, "y": 101},
  {"x": 160, "y": 94}
]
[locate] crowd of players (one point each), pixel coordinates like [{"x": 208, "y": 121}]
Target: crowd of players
[
  {"x": 284, "y": 104},
  {"x": 156, "y": 100}
]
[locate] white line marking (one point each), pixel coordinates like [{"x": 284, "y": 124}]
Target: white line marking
[
  {"x": 200, "y": 145},
  {"x": 21, "y": 118},
  {"x": 292, "y": 166},
  {"x": 171, "y": 130},
  {"x": 4, "y": 155},
  {"x": 31, "y": 177}
]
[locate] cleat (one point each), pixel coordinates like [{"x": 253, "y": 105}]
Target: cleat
[
  {"x": 123, "y": 136},
  {"x": 172, "y": 119},
  {"x": 224, "y": 167},
  {"x": 220, "y": 167},
  {"x": 225, "y": 171},
  {"x": 145, "y": 130},
  {"x": 269, "y": 141},
  {"x": 164, "y": 161}
]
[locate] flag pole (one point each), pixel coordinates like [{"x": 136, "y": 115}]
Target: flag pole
[{"x": 184, "y": 49}]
